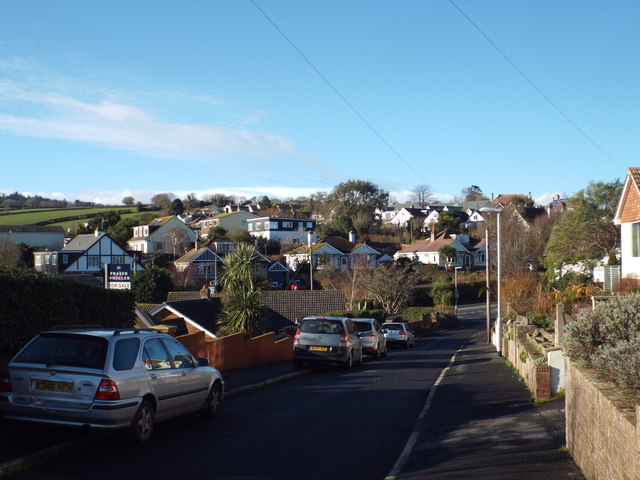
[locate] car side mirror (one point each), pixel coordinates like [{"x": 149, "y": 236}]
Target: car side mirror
[{"x": 203, "y": 362}]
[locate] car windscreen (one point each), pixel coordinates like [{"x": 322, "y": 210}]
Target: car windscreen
[
  {"x": 322, "y": 326},
  {"x": 363, "y": 326},
  {"x": 55, "y": 349},
  {"x": 393, "y": 326}
]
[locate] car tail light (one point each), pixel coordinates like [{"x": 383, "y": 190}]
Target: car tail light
[
  {"x": 402, "y": 332},
  {"x": 297, "y": 337},
  {"x": 368, "y": 335},
  {"x": 107, "y": 390},
  {"x": 5, "y": 385},
  {"x": 344, "y": 339}
]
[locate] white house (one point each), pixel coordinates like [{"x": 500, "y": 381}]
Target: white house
[
  {"x": 163, "y": 235},
  {"x": 283, "y": 230},
  {"x": 334, "y": 253},
  {"x": 627, "y": 216},
  {"x": 469, "y": 253}
]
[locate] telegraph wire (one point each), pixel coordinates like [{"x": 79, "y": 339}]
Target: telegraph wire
[
  {"x": 532, "y": 83},
  {"x": 337, "y": 92}
]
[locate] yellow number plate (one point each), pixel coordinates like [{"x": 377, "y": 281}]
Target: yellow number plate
[
  {"x": 49, "y": 386},
  {"x": 318, "y": 349}
]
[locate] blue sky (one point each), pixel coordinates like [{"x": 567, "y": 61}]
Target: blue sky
[{"x": 99, "y": 100}]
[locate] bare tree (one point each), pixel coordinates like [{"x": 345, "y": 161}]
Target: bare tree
[
  {"x": 9, "y": 254},
  {"x": 421, "y": 194},
  {"x": 390, "y": 286}
]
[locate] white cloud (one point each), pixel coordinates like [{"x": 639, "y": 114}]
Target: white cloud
[{"x": 118, "y": 126}]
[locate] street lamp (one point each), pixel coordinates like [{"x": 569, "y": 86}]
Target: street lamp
[
  {"x": 456, "y": 294},
  {"x": 497, "y": 211}
]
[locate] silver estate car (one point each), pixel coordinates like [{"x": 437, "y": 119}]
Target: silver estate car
[
  {"x": 398, "y": 333},
  {"x": 106, "y": 378},
  {"x": 373, "y": 341},
  {"x": 327, "y": 339}
]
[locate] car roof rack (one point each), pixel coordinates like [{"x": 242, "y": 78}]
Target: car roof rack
[
  {"x": 78, "y": 326},
  {"x": 119, "y": 331}
]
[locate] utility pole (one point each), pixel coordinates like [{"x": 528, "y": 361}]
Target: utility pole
[{"x": 488, "y": 267}]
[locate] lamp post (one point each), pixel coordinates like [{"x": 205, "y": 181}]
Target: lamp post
[
  {"x": 310, "y": 244},
  {"x": 456, "y": 294},
  {"x": 497, "y": 211}
]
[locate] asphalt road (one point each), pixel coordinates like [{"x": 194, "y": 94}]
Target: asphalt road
[{"x": 330, "y": 424}]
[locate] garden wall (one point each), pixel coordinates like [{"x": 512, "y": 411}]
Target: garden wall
[
  {"x": 517, "y": 348},
  {"x": 603, "y": 435},
  {"x": 234, "y": 351}
]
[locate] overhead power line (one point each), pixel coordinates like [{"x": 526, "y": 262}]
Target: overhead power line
[
  {"x": 337, "y": 92},
  {"x": 532, "y": 83}
]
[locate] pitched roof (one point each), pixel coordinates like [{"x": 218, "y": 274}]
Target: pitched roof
[
  {"x": 83, "y": 242},
  {"x": 628, "y": 209}
]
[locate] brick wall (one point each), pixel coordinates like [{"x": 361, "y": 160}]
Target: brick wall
[
  {"x": 536, "y": 377},
  {"x": 603, "y": 435}
]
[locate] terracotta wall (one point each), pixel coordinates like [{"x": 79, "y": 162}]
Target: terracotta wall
[
  {"x": 603, "y": 434},
  {"x": 234, "y": 351}
]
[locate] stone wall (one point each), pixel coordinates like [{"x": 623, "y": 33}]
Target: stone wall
[{"x": 603, "y": 435}]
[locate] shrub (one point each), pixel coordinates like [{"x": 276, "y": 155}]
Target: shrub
[
  {"x": 607, "y": 339},
  {"x": 416, "y": 314},
  {"x": 442, "y": 293}
]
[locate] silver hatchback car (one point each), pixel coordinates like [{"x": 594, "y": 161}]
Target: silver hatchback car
[
  {"x": 398, "y": 333},
  {"x": 106, "y": 378},
  {"x": 327, "y": 339},
  {"x": 373, "y": 341}
]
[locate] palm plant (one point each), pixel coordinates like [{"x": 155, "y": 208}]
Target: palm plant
[{"x": 243, "y": 307}]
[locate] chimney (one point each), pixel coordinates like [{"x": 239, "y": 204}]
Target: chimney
[
  {"x": 492, "y": 199},
  {"x": 197, "y": 238},
  {"x": 433, "y": 232},
  {"x": 352, "y": 237},
  {"x": 310, "y": 238}
]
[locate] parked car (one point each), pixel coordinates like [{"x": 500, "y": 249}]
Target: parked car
[
  {"x": 373, "y": 341},
  {"x": 297, "y": 285},
  {"x": 108, "y": 378},
  {"x": 398, "y": 333},
  {"x": 327, "y": 339}
]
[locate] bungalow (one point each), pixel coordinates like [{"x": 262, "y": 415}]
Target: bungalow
[
  {"x": 334, "y": 253},
  {"x": 469, "y": 252}
]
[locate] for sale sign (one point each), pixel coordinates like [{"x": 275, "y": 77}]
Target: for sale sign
[{"x": 118, "y": 276}]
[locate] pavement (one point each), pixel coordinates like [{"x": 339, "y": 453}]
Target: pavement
[{"x": 479, "y": 422}]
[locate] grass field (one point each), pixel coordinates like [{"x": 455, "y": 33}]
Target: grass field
[{"x": 57, "y": 216}]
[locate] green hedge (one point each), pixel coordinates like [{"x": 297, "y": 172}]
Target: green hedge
[
  {"x": 373, "y": 313},
  {"x": 31, "y": 303},
  {"x": 417, "y": 314}
]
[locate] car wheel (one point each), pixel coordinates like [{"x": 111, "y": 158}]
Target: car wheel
[
  {"x": 213, "y": 402},
  {"x": 349, "y": 363},
  {"x": 143, "y": 422},
  {"x": 361, "y": 357},
  {"x": 376, "y": 353},
  {"x": 384, "y": 352}
]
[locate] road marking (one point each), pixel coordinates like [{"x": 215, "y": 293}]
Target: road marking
[{"x": 413, "y": 438}]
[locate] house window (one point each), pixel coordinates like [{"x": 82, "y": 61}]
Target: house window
[
  {"x": 310, "y": 225},
  {"x": 117, "y": 259},
  {"x": 635, "y": 239},
  {"x": 273, "y": 225},
  {"x": 250, "y": 227},
  {"x": 93, "y": 261},
  {"x": 287, "y": 224},
  {"x": 38, "y": 260},
  {"x": 65, "y": 259}
]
